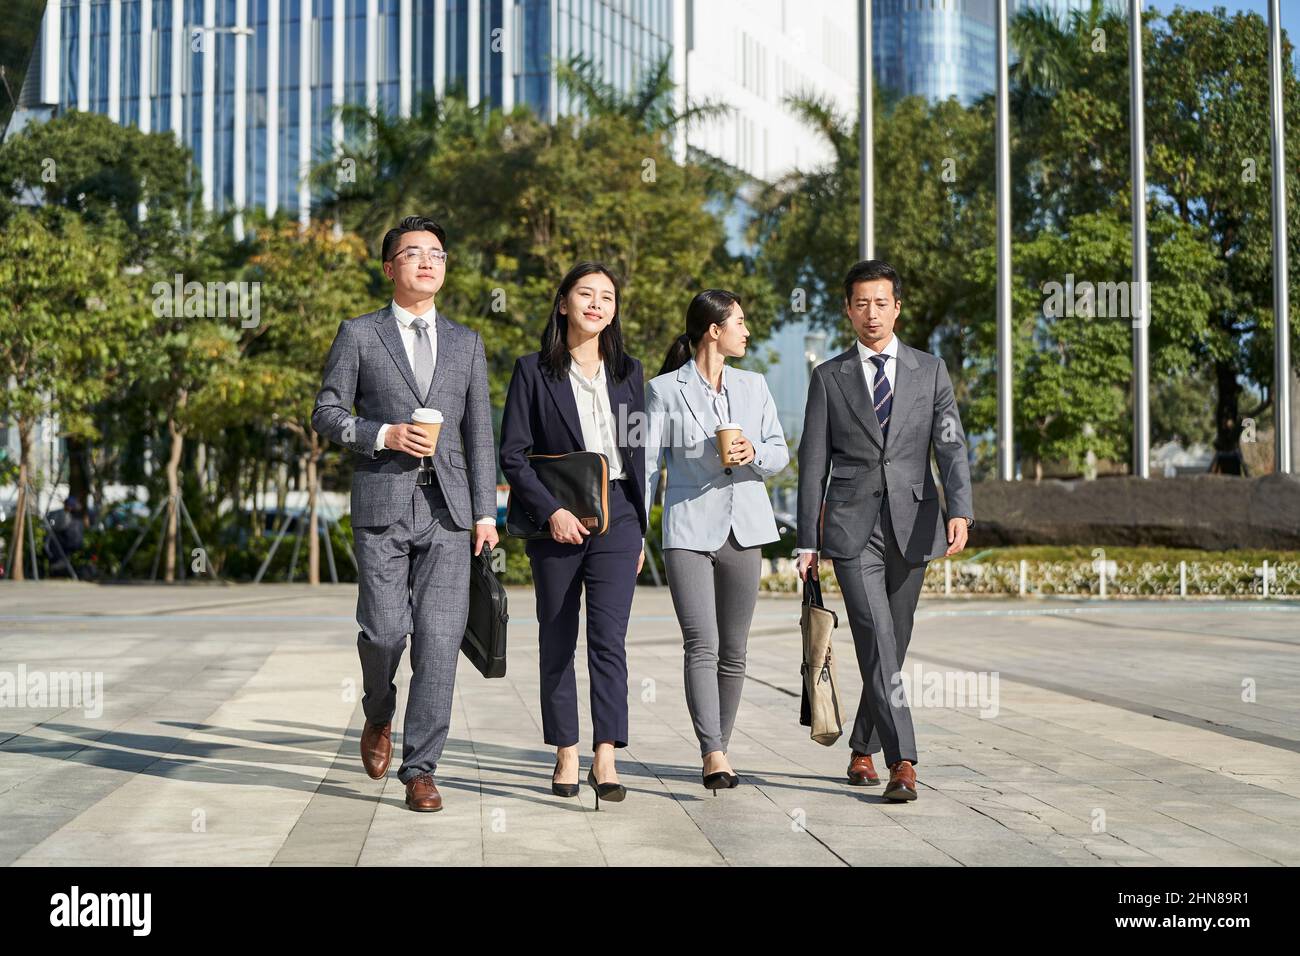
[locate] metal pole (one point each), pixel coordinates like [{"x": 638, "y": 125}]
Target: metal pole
[
  {"x": 1281, "y": 306},
  {"x": 866, "y": 165},
  {"x": 1006, "y": 451},
  {"x": 1141, "y": 310}
]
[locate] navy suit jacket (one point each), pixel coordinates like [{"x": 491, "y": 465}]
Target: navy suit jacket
[{"x": 541, "y": 418}]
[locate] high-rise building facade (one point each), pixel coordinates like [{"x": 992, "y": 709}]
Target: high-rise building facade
[
  {"x": 935, "y": 48},
  {"x": 253, "y": 86}
]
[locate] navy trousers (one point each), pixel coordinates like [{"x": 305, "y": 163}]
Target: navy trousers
[{"x": 605, "y": 565}]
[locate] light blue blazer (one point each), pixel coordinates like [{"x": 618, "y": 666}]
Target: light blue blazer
[{"x": 702, "y": 503}]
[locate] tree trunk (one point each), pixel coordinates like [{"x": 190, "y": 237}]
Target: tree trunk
[
  {"x": 78, "y": 475},
  {"x": 313, "y": 536},
  {"x": 259, "y": 497},
  {"x": 18, "y": 539},
  {"x": 1227, "y": 422},
  {"x": 281, "y": 487},
  {"x": 177, "y": 436}
]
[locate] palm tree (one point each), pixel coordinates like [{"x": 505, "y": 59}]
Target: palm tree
[
  {"x": 649, "y": 107},
  {"x": 369, "y": 180}
]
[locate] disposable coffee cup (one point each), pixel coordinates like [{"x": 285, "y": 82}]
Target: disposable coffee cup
[
  {"x": 429, "y": 421},
  {"x": 726, "y": 433}
]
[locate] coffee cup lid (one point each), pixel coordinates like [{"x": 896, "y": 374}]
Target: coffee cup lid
[
  {"x": 726, "y": 425},
  {"x": 429, "y": 416}
]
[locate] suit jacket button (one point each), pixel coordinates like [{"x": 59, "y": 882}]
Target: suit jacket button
[
  {"x": 728, "y": 471},
  {"x": 886, "y": 461},
  {"x": 875, "y": 494}
]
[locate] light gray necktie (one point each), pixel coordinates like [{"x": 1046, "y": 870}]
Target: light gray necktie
[{"x": 423, "y": 357}]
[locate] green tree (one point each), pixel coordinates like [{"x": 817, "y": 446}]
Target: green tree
[{"x": 65, "y": 316}]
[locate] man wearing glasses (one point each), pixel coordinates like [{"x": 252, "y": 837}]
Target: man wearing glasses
[{"x": 411, "y": 521}]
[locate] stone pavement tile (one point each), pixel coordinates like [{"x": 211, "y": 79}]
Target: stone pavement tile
[
  {"x": 1117, "y": 850},
  {"x": 841, "y": 804},
  {"x": 115, "y": 847},
  {"x": 1272, "y": 807},
  {"x": 248, "y": 803},
  {"x": 879, "y": 846},
  {"x": 972, "y": 851},
  {"x": 1021, "y": 785},
  {"x": 660, "y": 854},
  {"x": 1178, "y": 856},
  {"x": 748, "y": 829}
]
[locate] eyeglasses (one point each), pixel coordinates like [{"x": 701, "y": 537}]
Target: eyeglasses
[{"x": 416, "y": 254}]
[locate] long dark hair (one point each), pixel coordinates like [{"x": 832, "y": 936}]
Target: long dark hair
[
  {"x": 710, "y": 307},
  {"x": 555, "y": 358}
]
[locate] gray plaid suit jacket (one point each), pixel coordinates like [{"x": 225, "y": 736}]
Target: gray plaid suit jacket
[{"x": 367, "y": 369}]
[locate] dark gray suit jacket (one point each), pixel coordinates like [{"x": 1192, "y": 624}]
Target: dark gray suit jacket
[
  {"x": 842, "y": 436},
  {"x": 367, "y": 368}
]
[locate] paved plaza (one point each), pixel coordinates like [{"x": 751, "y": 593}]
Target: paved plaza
[{"x": 1117, "y": 733}]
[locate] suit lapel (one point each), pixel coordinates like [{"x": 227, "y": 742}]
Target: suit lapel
[
  {"x": 904, "y": 392},
  {"x": 619, "y": 395},
  {"x": 854, "y": 386},
  {"x": 562, "y": 395},
  {"x": 386, "y": 322},
  {"x": 447, "y": 342},
  {"x": 693, "y": 395}
]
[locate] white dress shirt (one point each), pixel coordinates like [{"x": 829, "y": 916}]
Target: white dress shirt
[
  {"x": 404, "y": 320},
  {"x": 869, "y": 367},
  {"x": 597, "y": 417},
  {"x": 720, "y": 399}
]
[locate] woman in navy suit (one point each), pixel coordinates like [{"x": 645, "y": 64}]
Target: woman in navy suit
[{"x": 578, "y": 394}]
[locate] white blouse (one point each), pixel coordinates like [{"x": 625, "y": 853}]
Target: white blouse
[{"x": 597, "y": 417}]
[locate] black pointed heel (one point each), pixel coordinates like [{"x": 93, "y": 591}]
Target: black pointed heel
[
  {"x": 563, "y": 789},
  {"x": 611, "y": 792}
]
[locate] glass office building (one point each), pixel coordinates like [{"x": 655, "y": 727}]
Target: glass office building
[
  {"x": 944, "y": 48},
  {"x": 253, "y": 85},
  {"x": 935, "y": 48}
]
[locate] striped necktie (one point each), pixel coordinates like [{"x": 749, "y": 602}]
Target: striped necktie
[{"x": 882, "y": 393}]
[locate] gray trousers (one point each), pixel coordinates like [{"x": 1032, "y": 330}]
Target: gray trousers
[
  {"x": 714, "y": 593},
  {"x": 414, "y": 579},
  {"x": 880, "y": 590}
]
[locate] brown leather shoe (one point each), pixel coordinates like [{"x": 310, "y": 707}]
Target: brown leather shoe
[
  {"x": 376, "y": 748},
  {"x": 422, "y": 795},
  {"x": 862, "y": 772},
  {"x": 902, "y": 782}
]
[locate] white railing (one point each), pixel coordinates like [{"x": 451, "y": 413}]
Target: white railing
[{"x": 1097, "y": 578}]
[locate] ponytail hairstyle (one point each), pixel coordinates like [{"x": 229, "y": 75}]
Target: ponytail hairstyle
[
  {"x": 554, "y": 358},
  {"x": 710, "y": 307}
]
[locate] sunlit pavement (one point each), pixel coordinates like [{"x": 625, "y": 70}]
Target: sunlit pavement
[{"x": 1050, "y": 732}]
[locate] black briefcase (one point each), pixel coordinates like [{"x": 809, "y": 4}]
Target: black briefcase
[
  {"x": 485, "y": 629},
  {"x": 579, "y": 481}
]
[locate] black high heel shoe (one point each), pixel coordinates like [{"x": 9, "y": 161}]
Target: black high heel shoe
[
  {"x": 722, "y": 780},
  {"x": 563, "y": 789},
  {"x": 613, "y": 792},
  {"x": 717, "y": 781}
]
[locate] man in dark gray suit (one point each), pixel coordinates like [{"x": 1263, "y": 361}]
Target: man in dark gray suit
[
  {"x": 412, "y": 525},
  {"x": 874, "y": 414}
]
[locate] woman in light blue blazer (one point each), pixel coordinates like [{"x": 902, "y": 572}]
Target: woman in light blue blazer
[{"x": 717, "y": 516}]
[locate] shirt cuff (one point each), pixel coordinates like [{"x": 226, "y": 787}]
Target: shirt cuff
[
  {"x": 379, "y": 438},
  {"x": 491, "y": 521},
  {"x": 805, "y": 550}
]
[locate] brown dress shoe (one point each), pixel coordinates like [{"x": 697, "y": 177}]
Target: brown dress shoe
[
  {"x": 862, "y": 772},
  {"x": 422, "y": 795},
  {"x": 902, "y": 782},
  {"x": 376, "y": 748}
]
